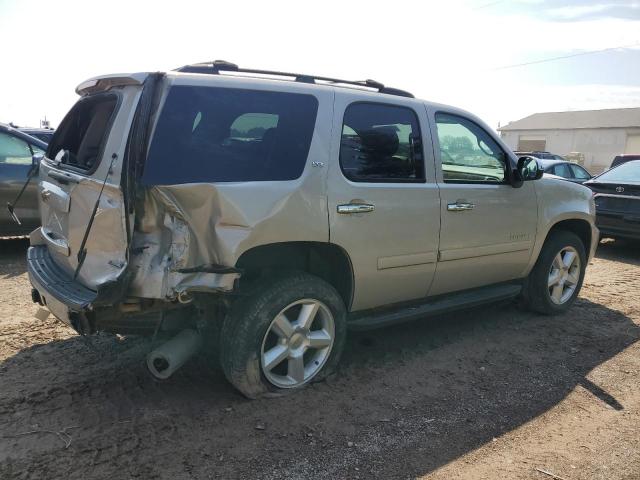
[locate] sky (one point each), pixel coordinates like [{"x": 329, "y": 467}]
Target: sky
[{"x": 467, "y": 53}]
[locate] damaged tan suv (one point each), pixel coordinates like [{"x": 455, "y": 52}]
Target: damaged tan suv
[{"x": 262, "y": 214}]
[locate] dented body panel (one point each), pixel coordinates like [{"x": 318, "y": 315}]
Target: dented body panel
[
  {"x": 187, "y": 227},
  {"x": 67, "y": 197},
  {"x": 193, "y": 226}
]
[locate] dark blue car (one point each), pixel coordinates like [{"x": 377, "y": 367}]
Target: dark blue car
[
  {"x": 617, "y": 198},
  {"x": 16, "y": 152}
]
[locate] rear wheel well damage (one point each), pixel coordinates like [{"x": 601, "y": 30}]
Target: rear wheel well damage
[
  {"x": 581, "y": 228},
  {"x": 325, "y": 260}
]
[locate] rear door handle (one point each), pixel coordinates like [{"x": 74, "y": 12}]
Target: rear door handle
[
  {"x": 355, "y": 208},
  {"x": 460, "y": 206}
]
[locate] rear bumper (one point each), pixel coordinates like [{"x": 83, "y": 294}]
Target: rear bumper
[
  {"x": 65, "y": 298},
  {"x": 88, "y": 311}
]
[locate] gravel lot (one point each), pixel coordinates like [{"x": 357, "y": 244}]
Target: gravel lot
[{"x": 486, "y": 394}]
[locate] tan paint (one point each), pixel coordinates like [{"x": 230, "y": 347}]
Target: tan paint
[
  {"x": 407, "y": 260},
  {"x": 65, "y": 211},
  {"x": 404, "y": 224},
  {"x": 393, "y": 249},
  {"x": 477, "y": 246},
  {"x": 560, "y": 200},
  {"x": 191, "y": 225},
  {"x": 487, "y": 250}
]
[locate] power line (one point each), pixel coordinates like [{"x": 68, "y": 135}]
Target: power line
[{"x": 551, "y": 59}]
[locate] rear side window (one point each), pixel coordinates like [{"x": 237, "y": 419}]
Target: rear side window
[
  {"x": 79, "y": 140},
  {"x": 381, "y": 143},
  {"x": 562, "y": 170},
  {"x": 580, "y": 173},
  {"x": 211, "y": 134}
]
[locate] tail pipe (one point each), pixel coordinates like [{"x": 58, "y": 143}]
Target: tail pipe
[{"x": 170, "y": 356}]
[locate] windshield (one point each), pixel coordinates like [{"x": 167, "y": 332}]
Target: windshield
[{"x": 627, "y": 172}]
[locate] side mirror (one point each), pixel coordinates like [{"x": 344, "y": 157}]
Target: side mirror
[{"x": 529, "y": 169}]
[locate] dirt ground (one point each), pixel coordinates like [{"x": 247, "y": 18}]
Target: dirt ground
[{"x": 486, "y": 394}]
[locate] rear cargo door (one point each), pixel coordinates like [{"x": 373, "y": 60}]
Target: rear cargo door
[{"x": 86, "y": 153}]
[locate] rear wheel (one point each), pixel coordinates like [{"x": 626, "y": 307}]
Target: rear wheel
[
  {"x": 555, "y": 281},
  {"x": 283, "y": 336}
]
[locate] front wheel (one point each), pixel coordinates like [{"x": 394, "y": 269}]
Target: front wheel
[
  {"x": 282, "y": 337},
  {"x": 555, "y": 281}
]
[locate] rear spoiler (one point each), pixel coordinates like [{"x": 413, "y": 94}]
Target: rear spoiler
[{"x": 105, "y": 82}]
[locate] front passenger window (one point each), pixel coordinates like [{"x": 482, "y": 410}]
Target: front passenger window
[{"x": 467, "y": 152}]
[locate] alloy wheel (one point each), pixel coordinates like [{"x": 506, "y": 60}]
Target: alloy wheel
[
  {"x": 564, "y": 275},
  {"x": 297, "y": 343}
]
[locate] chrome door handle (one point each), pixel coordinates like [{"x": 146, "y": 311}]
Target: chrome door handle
[
  {"x": 460, "y": 206},
  {"x": 355, "y": 208}
]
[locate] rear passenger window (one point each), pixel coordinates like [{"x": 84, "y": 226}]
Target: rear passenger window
[
  {"x": 381, "y": 143},
  {"x": 79, "y": 139},
  {"x": 212, "y": 134}
]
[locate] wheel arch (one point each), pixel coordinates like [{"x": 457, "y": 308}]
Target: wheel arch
[
  {"x": 580, "y": 227},
  {"x": 325, "y": 260}
]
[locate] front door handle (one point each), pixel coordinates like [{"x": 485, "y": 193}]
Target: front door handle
[
  {"x": 355, "y": 208},
  {"x": 460, "y": 206}
]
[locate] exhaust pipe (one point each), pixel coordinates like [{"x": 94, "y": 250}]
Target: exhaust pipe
[{"x": 170, "y": 356}]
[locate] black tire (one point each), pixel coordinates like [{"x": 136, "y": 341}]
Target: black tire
[
  {"x": 536, "y": 293},
  {"x": 249, "y": 318}
]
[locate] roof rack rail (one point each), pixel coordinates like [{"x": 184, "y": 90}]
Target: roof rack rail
[{"x": 217, "y": 66}]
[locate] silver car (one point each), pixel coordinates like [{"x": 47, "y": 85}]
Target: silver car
[{"x": 265, "y": 213}]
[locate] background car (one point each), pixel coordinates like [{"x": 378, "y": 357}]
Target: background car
[
  {"x": 16, "y": 153},
  {"x": 559, "y": 166},
  {"x": 542, "y": 155},
  {"x": 620, "y": 159},
  {"x": 44, "y": 134},
  {"x": 617, "y": 198},
  {"x": 567, "y": 170}
]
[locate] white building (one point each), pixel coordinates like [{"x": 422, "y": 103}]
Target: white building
[{"x": 599, "y": 135}]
